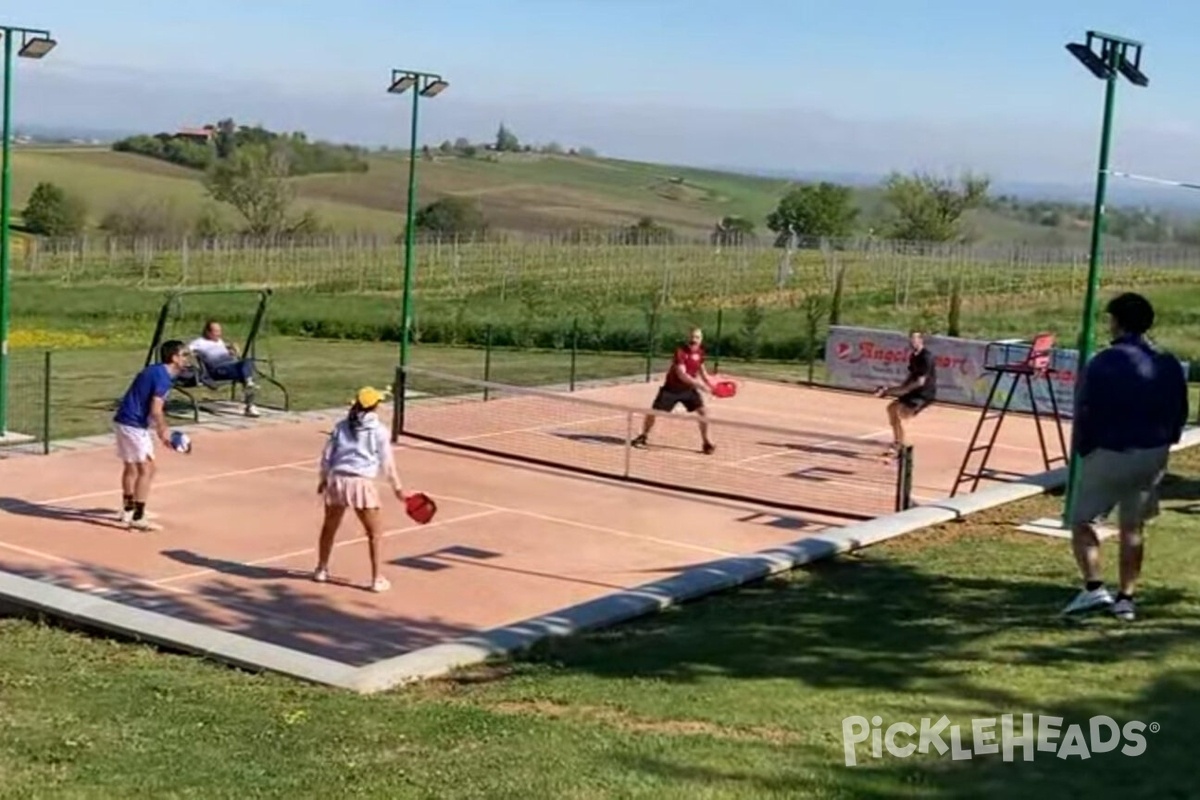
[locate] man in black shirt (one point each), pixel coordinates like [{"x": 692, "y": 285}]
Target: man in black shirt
[{"x": 918, "y": 391}]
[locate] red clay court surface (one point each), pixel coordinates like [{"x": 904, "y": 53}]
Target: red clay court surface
[{"x": 510, "y": 542}]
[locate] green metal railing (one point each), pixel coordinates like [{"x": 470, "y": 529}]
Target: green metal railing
[{"x": 29, "y": 403}]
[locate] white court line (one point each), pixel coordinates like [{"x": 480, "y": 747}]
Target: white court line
[
  {"x": 584, "y": 525},
  {"x": 309, "y": 550},
  {"x": 38, "y": 554},
  {"x": 168, "y": 484}
]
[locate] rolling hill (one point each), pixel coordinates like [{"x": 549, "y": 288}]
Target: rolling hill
[{"x": 520, "y": 192}]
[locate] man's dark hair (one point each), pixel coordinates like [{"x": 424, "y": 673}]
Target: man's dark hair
[
  {"x": 208, "y": 325},
  {"x": 1132, "y": 313},
  {"x": 168, "y": 351}
]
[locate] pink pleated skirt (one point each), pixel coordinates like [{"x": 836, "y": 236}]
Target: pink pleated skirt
[{"x": 349, "y": 491}]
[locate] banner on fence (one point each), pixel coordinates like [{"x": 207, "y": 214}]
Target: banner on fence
[{"x": 865, "y": 358}]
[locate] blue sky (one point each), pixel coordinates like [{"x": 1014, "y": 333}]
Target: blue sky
[{"x": 843, "y": 86}]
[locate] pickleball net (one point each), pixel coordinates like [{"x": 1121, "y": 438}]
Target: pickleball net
[{"x": 798, "y": 470}]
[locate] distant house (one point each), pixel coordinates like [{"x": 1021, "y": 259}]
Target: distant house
[{"x": 202, "y": 135}]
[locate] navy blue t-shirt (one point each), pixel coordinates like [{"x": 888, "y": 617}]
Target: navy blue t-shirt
[
  {"x": 134, "y": 410},
  {"x": 1132, "y": 397}
]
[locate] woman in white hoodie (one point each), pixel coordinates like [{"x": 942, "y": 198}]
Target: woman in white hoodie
[{"x": 358, "y": 449}]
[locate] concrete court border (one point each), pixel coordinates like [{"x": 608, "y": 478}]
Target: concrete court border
[{"x": 94, "y": 612}]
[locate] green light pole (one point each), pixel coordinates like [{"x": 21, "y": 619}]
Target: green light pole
[
  {"x": 423, "y": 84},
  {"x": 1117, "y": 56},
  {"x": 34, "y": 44}
]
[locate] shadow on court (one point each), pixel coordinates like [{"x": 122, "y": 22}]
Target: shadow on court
[
  {"x": 99, "y": 517},
  {"x": 282, "y": 608}
]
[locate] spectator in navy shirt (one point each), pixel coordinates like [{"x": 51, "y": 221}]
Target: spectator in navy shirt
[{"x": 1131, "y": 405}]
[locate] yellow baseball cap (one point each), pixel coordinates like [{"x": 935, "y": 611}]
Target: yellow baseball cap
[{"x": 369, "y": 396}]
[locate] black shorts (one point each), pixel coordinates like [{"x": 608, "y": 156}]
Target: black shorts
[
  {"x": 915, "y": 402},
  {"x": 667, "y": 399}
]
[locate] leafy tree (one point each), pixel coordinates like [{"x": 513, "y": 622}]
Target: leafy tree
[
  {"x": 209, "y": 223},
  {"x": 506, "y": 140},
  {"x": 254, "y": 182},
  {"x": 305, "y": 157},
  {"x": 52, "y": 212},
  {"x": 446, "y": 147},
  {"x": 144, "y": 217},
  {"x": 814, "y": 211},
  {"x": 226, "y": 138},
  {"x": 647, "y": 231},
  {"x": 450, "y": 217},
  {"x": 930, "y": 209},
  {"x": 732, "y": 231},
  {"x": 553, "y": 149}
]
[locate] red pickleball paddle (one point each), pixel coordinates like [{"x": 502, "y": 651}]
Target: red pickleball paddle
[
  {"x": 420, "y": 507},
  {"x": 725, "y": 389}
]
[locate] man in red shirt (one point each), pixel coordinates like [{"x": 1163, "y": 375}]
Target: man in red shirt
[{"x": 685, "y": 381}]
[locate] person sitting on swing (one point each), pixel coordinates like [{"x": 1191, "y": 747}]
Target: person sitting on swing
[{"x": 221, "y": 362}]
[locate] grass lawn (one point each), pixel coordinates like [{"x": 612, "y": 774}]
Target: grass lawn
[{"x": 741, "y": 695}]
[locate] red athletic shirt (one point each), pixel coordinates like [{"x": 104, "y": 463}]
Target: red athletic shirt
[{"x": 691, "y": 361}]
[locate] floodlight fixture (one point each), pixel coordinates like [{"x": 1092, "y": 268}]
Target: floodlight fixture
[
  {"x": 1132, "y": 70},
  {"x": 37, "y": 45},
  {"x": 1117, "y": 55},
  {"x": 1094, "y": 63},
  {"x": 401, "y": 84},
  {"x": 434, "y": 88}
]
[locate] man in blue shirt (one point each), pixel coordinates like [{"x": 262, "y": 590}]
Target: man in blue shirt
[
  {"x": 140, "y": 408},
  {"x": 1131, "y": 405}
]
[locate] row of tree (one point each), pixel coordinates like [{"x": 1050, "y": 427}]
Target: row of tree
[
  {"x": 919, "y": 208},
  {"x": 505, "y": 141},
  {"x": 304, "y": 157}
]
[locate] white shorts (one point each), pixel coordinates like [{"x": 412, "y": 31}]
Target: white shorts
[{"x": 134, "y": 445}]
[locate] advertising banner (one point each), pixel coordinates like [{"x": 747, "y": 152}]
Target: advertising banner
[{"x": 865, "y": 358}]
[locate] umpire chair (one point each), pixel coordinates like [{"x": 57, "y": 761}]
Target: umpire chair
[{"x": 1035, "y": 367}]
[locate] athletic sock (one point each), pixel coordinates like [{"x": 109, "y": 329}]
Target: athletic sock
[
  {"x": 139, "y": 510},
  {"x": 1094, "y": 585},
  {"x": 128, "y": 502}
]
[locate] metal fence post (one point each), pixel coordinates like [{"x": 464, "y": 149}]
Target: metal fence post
[{"x": 46, "y": 373}]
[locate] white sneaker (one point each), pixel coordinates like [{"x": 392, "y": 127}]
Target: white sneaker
[
  {"x": 1088, "y": 601},
  {"x": 252, "y": 411},
  {"x": 1124, "y": 609},
  {"x": 381, "y": 585},
  {"x": 144, "y": 525},
  {"x": 321, "y": 576}
]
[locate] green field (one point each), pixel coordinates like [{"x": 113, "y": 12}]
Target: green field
[
  {"x": 738, "y": 696},
  {"x": 538, "y": 292},
  {"x": 519, "y": 193}
]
